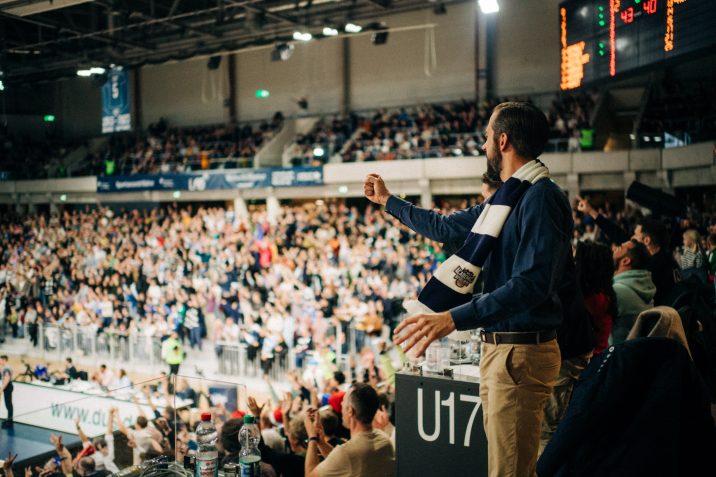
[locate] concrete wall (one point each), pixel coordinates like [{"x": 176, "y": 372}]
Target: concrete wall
[
  {"x": 527, "y": 47},
  {"x": 394, "y": 73},
  {"x": 184, "y": 93}
]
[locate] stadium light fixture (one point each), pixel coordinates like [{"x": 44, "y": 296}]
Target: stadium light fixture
[
  {"x": 2, "y": 86},
  {"x": 63, "y": 198},
  {"x": 353, "y": 28},
  {"x": 84, "y": 73},
  {"x": 96, "y": 70},
  {"x": 328, "y": 31},
  {"x": 318, "y": 151},
  {"x": 489, "y": 6},
  {"x": 302, "y": 36}
]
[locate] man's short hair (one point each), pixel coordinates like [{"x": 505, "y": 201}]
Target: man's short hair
[
  {"x": 69, "y": 360},
  {"x": 142, "y": 422},
  {"x": 4, "y": 358},
  {"x": 525, "y": 125},
  {"x": 99, "y": 442},
  {"x": 656, "y": 231},
  {"x": 230, "y": 435},
  {"x": 339, "y": 377},
  {"x": 88, "y": 465},
  {"x": 297, "y": 429},
  {"x": 639, "y": 256},
  {"x": 364, "y": 401},
  {"x": 712, "y": 239}
]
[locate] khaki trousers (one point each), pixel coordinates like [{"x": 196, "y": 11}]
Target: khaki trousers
[{"x": 515, "y": 383}]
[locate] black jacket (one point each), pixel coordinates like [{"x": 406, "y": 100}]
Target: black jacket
[{"x": 639, "y": 409}]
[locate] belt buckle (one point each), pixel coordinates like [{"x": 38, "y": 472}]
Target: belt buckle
[{"x": 483, "y": 336}]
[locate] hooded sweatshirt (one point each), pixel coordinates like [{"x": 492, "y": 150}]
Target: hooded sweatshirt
[{"x": 635, "y": 293}]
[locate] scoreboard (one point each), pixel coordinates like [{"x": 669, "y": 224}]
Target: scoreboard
[{"x": 605, "y": 38}]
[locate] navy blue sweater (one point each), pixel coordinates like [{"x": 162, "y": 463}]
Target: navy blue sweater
[{"x": 525, "y": 270}]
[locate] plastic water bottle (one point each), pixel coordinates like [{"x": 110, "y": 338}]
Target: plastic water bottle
[
  {"x": 443, "y": 354},
  {"x": 207, "y": 456},
  {"x": 250, "y": 456}
]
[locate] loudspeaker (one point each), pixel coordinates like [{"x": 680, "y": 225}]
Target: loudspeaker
[
  {"x": 660, "y": 203},
  {"x": 214, "y": 62},
  {"x": 379, "y": 38}
]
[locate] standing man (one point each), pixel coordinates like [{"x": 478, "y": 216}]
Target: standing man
[
  {"x": 520, "y": 240},
  {"x": 173, "y": 353},
  {"x": 6, "y": 377}
]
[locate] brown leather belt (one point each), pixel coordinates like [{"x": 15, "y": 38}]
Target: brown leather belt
[{"x": 524, "y": 337}]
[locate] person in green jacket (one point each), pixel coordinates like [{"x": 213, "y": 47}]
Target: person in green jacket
[
  {"x": 173, "y": 353},
  {"x": 633, "y": 286}
]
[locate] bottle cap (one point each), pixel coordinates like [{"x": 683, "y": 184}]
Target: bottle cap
[
  {"x": 249, "y": 419},
  {"x": 205, "y": 416}
]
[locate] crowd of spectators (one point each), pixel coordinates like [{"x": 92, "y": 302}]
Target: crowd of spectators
[
  {"x": 283, "y": 283},
  {"x": 271, "y": 286},
  {"x": 25, "y": 158},
  {"x": 164, "y": 149},
  {"x": 325, "y": 139}
]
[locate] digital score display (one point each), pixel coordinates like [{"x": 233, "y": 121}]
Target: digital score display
[{"x": 601, "y": 39}]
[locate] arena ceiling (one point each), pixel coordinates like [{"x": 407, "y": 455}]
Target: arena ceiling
[{"x": 43, "y": 40}]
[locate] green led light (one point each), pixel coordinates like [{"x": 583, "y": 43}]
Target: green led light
[
  {"x": 262, "y": 93},
  {"x": 601, "y": 9},
  {"x": 601, "y": 44},
  {"x": 48, "y": 118},
  {"x": 637, "y": 2},
  {"x": 601, "y": 52},
  {"x": 601, "y": 22},
  {"x": 601, "y": 16}
]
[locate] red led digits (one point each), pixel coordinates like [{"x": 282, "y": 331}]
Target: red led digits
[
  {"x": 650, "y": 6},
  {"x": 669, "y": 35},
  {"x": 627, "y": 15}
]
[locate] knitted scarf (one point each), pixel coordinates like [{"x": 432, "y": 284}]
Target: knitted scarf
[{"x": 454, "y": 280}]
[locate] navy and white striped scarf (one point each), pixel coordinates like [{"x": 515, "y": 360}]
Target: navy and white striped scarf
[{"x": 454, "y": 281}]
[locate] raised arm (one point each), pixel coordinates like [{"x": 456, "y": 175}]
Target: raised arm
[
  {"x": 611, "y": 230},
  {"x": 431, "y": 224},
  {"x": 83, "y": 437},
  {"x": 122, "y": 428}
]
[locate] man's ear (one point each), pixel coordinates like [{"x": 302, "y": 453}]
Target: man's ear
[
  {"x": 504, "y": 141},
  {"x": 646, "y": 240}
]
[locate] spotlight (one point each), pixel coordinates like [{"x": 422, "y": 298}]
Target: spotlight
[
  {"x": 282, "y": 52},
  {"x": 84, "y": 73},
  {"x": 353, "y": 28},
  {"x": 489, "y": 6},
  {"x": 96, "y": 70},
  {"x": 318, "y": 151},
  {"x": 302, "y": 36},
  {"x": 328, "y": 31}
]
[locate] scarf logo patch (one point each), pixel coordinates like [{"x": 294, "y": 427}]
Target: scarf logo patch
[{"x": 463, "y": 277}]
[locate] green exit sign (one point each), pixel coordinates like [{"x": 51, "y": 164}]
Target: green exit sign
[
  {"x": 48, "y": 118},
  {"x": 262, "y": 93}
]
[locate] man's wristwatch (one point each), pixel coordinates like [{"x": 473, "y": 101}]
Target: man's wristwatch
[{"x": 313, "y": 438}]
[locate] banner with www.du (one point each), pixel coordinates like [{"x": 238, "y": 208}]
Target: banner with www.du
[
  {"x": 115, "y": 102},
  {"x": 46, "y": 406}
]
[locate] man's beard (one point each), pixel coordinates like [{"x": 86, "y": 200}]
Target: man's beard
[{"x": 494, "y": 166}]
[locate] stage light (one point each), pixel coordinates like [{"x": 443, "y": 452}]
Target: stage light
[
  {"x": 489, "y": 6},
  {"x": 84, "y": 73},
  {"x": 302, "y": 36},
  {"x": 353, "y": 28},
  {"x": 96, "y": 70},
  {"x": 328, "y": 31}
]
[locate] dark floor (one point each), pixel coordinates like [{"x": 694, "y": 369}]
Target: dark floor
[{"x": 30, "y": 442}]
